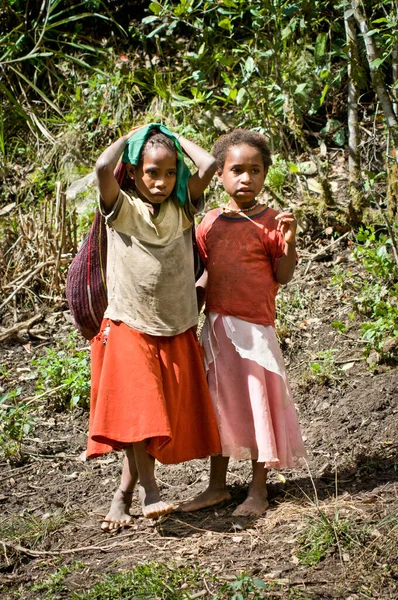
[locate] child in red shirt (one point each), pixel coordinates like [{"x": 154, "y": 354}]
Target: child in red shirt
[{"x": 248, "y": 249}]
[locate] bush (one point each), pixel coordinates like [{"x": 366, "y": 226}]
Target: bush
[{"x": 66, "y": 370}]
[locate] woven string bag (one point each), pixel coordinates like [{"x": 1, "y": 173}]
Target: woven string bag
[{"x": 86, "y": 281}]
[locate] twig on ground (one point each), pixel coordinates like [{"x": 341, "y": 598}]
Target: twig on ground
[
  {"x": 38, "y": 553},
  {"x": 4, "y": 335},
  {"x": 318, "y": 254}
]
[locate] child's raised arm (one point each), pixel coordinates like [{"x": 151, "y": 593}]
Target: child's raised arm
[
  {"x": 287, "y": 225},
  {"x": 105, "y": 165},
  {"x": 205, "y": 163}
]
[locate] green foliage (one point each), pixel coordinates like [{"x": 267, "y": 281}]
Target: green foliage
[
  {"x": 374, "y": 252},
  {"x": 67, "y": 369},
  {"x": 242, "y": 588},
  {"x": 323, "y": 368},
  {"x": 39, "y": 54},
  {"x": 277, "y": 174},
  {"x": 150, "y": 580},
  {"x": 322, "y": 536},
  {"x": 55, "y": 583},
  {"x": 16, "y": 421},
  {"x": 30, "y": 530},
  {"x": 374, "y": 298}
]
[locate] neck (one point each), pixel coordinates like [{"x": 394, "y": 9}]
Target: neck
[{"x": 234, "y": 207}]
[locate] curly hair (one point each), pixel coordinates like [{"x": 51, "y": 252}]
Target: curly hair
[
  {"x": 237, "y": 137},
  {"x": 156, "y": 138}
]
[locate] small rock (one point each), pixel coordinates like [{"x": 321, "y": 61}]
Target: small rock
[
  {"x": 307, "y": 167},
  {"x": 373, "y": 358},
  {"x": 322, "y": 406},
  {"x": 390, "y": 345},
  {"x": 346, "y": 557}
]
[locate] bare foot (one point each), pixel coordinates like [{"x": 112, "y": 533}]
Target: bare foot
[
  {"x": 209, "y": 497},
  {"x": 118, "y": 514},
  {"x": 253, "y": 506},
  {"x": 152, "y": 506}
]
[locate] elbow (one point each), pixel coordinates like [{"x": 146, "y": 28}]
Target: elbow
[
  {"x": 209, "y": 166},
  {"x": 102, "y": 167},
  {"x": 284, "y": 279}
]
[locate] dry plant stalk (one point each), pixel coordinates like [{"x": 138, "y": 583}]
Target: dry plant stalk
[{"x": 35, "y": 248}]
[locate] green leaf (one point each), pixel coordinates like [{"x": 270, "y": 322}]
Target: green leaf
[
  {"x": 290, "y": 10},
  {"x": 375, "y": 64},
  {"x": 225, "y": 24},
  {"x": 320, "y": 46},
  {"x": 249, "y": 65},
  {"x": 292, "y": 167},
  {"x": 323, "y": 96},
  {"x": 241, "y": 94},
  {"x": 300, "y": 88},
  {"x": 148, "y": 20},
  {"x": 339, "y": 137},
  {"x": 155, "y": 8},
  {"x": 156, "y": 30}
]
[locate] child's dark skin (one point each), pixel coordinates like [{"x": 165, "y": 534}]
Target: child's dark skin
[
  {"x": 154, "y": 179},
  {"x": 243, "y": 176}
]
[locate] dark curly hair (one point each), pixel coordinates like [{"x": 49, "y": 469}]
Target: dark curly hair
[
  {"x": 237, "y": 137},
  {"x": 156, "y": 138}
]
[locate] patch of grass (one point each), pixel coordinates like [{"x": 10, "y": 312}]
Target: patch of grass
[
  {"x": 322, "y": 369},
  {"x": 30, "y": 530},
  {"x": 292, "y": 306},
  {"x": 323, "y": 536},
  {"x": 146, "y": 581},
  {"x": 243, "y": 587},
  {"x": 16, "y": 420},
  {"x": 67, "y": 369},
  {"x": 55, "y": 583}
]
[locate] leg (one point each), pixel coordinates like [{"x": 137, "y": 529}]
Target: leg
[
  {"x": 256, "y": 502},
  {"x": 217, "y": 490},
  {"x": 151, "y": 503},
  {"x": 118, "y": 513}
]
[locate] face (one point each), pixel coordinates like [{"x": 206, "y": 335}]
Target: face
[
  {"x": 155, "y": 177},
  {"x": 243, "y": 174}
]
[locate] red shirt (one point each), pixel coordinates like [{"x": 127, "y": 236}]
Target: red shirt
[{"x": 241, "y": 258}]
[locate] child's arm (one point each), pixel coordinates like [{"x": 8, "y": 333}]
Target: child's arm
[
  {"x": 287, "y": 263},
  {"x": 201, "y": 290},
  {"x": 105, "y": 165},
  {"x": 205, "y": 163}
]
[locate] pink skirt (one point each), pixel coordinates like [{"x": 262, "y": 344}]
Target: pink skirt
[{"x": 253, "y": 403}]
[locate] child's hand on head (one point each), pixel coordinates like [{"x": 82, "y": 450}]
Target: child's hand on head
[
  {"x": 287, "y": 225},
  {"x": 133, "y": 131}
]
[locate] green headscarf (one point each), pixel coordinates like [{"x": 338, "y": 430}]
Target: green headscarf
[{"x": 133, "y": 150}]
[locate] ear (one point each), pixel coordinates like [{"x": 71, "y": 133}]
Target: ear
[
  {"x": 219, "y": 174},
  {"x": 131, "y": 170}
]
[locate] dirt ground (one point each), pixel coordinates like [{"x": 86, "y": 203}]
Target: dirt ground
[{"x": 349, "y": 423}]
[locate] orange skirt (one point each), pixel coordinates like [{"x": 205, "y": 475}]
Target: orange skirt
[{"x": 152, "y": 388}]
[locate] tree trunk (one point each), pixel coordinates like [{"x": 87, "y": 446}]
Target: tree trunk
[
  {"x": 392, "y": 192},
  {"x": 357, "y": 199},
  {"x": 395, "y": 77},
  {"x": 376, "y": 74}
]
